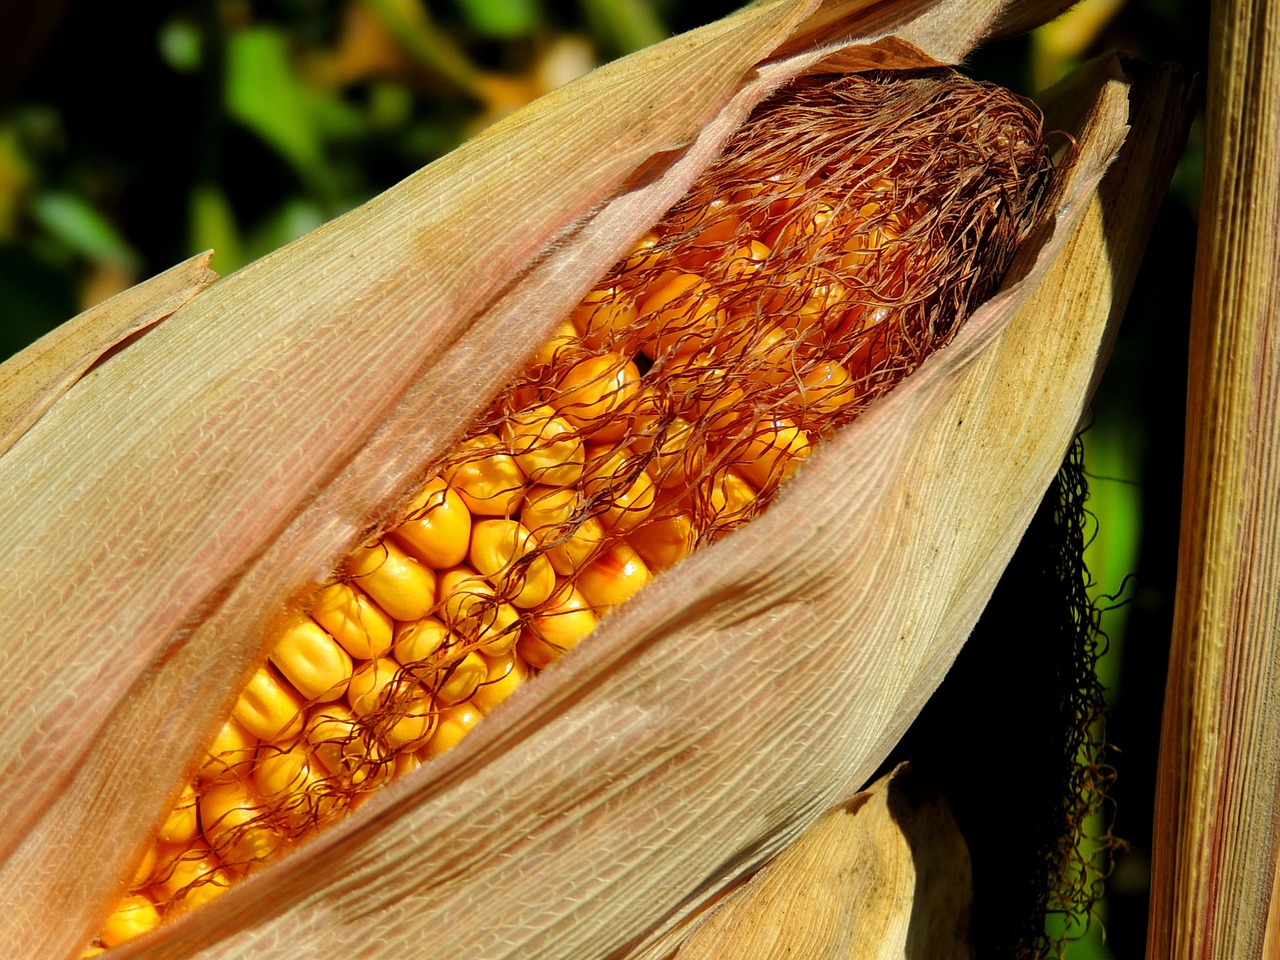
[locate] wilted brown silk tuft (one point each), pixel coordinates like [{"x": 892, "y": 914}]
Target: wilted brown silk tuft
[{"x": 842, "y": 236}]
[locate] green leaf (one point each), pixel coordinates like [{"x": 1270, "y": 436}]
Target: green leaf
[
  {"x": 74, "y": 222},
  {"x": 502, "y": 18},
  {"x": 213, "y": 226}
]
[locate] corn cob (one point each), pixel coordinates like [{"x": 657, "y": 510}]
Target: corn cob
[{"x": 814, "y": 265}]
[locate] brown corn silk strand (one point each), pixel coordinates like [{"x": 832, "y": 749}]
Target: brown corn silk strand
[{"x": 842, "y": 236}]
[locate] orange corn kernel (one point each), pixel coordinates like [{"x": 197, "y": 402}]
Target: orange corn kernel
[
  {"x": 399, "y": 708},
  {"x": 547, "y": 448},
  {"x": 236, "y": 825},
  {"x": 594, "y": 394},
  {"x": 458, "y": 679},
  {"x": 231, "y": 754},
  {"x": 486, "y": 476},
  {"x": 681, "y": 316},
  {"x": 503, "y": 676},
  {"x": 558, "y": 519},
  {"x": 559, "y": 626},
  {"x": 401, "y": 585},
  {"x": 617, "y": 477},
  {"x": 471, "y": 609},
  {"x": 828, "y": 388},
  {"x": 188, "y": 875},
  {"x": 343, "y": 746},
  {"x": 311, "y": 660},
  {"x": 439, "y": 526},
  {"x": 269, "y": 707},
  {"x": 351, "y": 617},
  {"x": 507, "y": 554},
  {"x": 614, "y": 578},
  {"x": 455, "y": 723},
  {"x": 133, "y": 916},
  {"x": 664, "y": 540},
  {"x": 417, "y": 642},
  {"x": 774, "y": 452},
  {"x": 182, "y": 823}
]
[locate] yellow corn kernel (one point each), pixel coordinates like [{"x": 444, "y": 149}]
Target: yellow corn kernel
[
  {"x": 470, "y": 608},
  {"x": 133, "y": 916},
  {"x": 343, "y": 747},
  {"x": 644, "y": 254},
  {"x": 570, "y": 539},
  {"x": 285, "y": 776},
  {"x": 664, "y": 540},
  {"x": 546, "y": 447},
  {"x": 603, "y": 315},
  {"x": 188, "y": 875},
  {"x": 827, "y": 388},
  {"x": 615, "y": 477},
  {"x": 729, "y": 497},
  {"x": 679, "y": 455},
  {"x": 235, "y": 824},
  {"x": 418, "y": 642},
  {"x": 503, "y": 675},
  {"x": 231, "y": 753},
  {"x": 563, "y": 340},
  {"x": 455, "y": 723},
  {"x": 507, "y": 554},
  {"x": 487, "y": 478},
  {"x": 268, "y": 707},
  {"x": 560, "y": 625},
  {"x": 458, "y": 680},
  {"x": 182, "y": 823},
  {"x": 594, "y": 393},
  {"x": 147, "y": 867},
  {"x": 774, "y": 453},
  {"x": 399, "y": 708},
  {"x": 681, "y": 316},
  {"x": 312, "y": 661},
  {"x": 613, "y": 578},
  {"x": 351, "y": 617},
  {"x": 439, "y": 526},
  {"x": 401, "y": 585}
]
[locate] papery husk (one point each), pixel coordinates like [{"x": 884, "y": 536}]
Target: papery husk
[
  {"x": 171, "y": 503},
  {"x": 1215, "y": 885},
  {"x": 884, "y": 876}
]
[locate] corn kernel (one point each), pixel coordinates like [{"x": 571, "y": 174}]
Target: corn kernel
[
  {"x": 487, "y": 478},
  {"x": 614, "y": 578},
  {"x": 181, "y": 824},
  {"x": 417, "y": 642},
  {"x": 503, "y": 675},
  {"x": 269, "y": 707},
  {"x": 133, "y": 916},
  {"x": 235, "y": 824},
  {"x": 343, "y": 747},
  {"x": 681, "y": 316},
  {"x": 616, "y": 476},
  {"x": 470, "y": 608},
  {"x": 507, "y": 554},
  {"x": 546, "y": 447},
  {"x": 399, "y": 708},
  {"x": 312, "y": 661},
  {"x": 603, "y": 315},
  {"x": 571, "y": 539},
  {"x": 400, "y": 584},
  {"x": 828, "y": 388},
  {"x": 664, "y": 540},
  {"x": 774, "y": 453},
  {"x": 594, "y": 393},
  {"x": 286, "y": 777},
  {"x": 231, "y": 753},
  {"x": 560, "y": 625},
  {"x": 439, "y": 526},
  {"x": 456, "y": 722},
  {"x": 351, "y": 617},
  {"x": 189, "y": 875}
]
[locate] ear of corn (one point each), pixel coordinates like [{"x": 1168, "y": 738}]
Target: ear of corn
[
  {"x": 189, "y": 622},
  {"x": 818, "y": 262}
]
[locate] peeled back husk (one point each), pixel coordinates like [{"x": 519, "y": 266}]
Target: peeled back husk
[{"x": 172, "y": 500}]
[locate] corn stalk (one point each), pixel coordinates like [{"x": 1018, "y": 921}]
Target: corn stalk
[
  {"x": 182, "y": 469},
  {"x": 1216, "y": 841}
]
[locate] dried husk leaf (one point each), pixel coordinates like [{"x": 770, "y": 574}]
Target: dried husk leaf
[
  {"x": 182, "y": 491},
  {"x": 1217, "y": 827},
  {"x": 883, "y": 877}
]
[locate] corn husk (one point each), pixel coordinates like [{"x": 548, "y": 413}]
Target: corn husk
[
  {"x": 170, "y": 503},
  {"x": 885, "y": 876},
  {"x": 1216, "y": 846}
]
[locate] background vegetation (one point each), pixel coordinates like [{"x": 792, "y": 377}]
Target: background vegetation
[{"x": 129, "y": 141}]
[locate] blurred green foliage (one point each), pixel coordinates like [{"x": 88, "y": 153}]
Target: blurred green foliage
[{"x": 132, "y": 137}]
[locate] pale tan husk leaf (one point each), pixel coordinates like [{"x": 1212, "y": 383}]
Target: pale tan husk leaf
[{"x": 165, "y": 508}]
